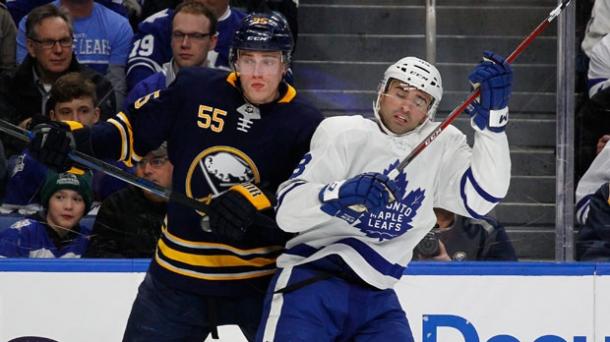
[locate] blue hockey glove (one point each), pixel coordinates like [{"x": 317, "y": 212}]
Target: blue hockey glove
[
  {"x": 494, "y": 76},
  {"x": 349, "y": 198}
]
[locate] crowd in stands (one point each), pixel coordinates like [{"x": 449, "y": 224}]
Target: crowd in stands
[
  {"x": 82, "y": 61},
  {"x": 85, "y": 61}
]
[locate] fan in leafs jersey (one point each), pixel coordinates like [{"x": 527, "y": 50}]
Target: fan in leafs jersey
[
  {"x": 151, "y": 46},
  {"x": 358, "y": 219}
]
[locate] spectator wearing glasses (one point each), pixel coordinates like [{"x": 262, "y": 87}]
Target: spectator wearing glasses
[
  {"x": 101, "y": 40},
  {"x": 193, "y": 36},
  {"x": 25, "y": 89},
  {"x": 152, "y": 45},
  {"x": 129, "y": 222}
]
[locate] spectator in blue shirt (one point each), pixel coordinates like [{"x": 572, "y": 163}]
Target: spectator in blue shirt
[{"x": 102, "y": 39}]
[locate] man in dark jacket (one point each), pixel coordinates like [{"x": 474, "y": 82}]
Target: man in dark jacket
[
  {"x": 25, "y": 89},
  {"x": 129, "y": 222}
]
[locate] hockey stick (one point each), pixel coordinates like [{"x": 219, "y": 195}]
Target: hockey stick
[
  {"x": 458, "y": 110},
  {"x": 109, "y": 169},
  {"x": 99, "y": 165}
]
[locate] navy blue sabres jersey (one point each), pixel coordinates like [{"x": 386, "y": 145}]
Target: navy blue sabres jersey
[
  {"x": 214, "y": 142},
  {"x": 151, "y": 46}
]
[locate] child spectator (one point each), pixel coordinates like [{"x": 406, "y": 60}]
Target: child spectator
[
  {"x": 54, "y": 232},
  {"x": 72, "y": 98}
]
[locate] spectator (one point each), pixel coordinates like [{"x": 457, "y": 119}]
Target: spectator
[
  {"x": 24, "y": 91},
  {"x": 593, "y": 123},
  {"x": 72, "y": 98},
  {"x": 595, "y": 176},
  {"x": 593, "y": 208},
  {"x": 102, "y": 40},
  {"x": 8, "y": 34},
  {"x": 152, "y": 45},
  {"x": 193, "y": 36},
  {"x": 599, "y": 67},
  {"x": 598, "y": 25},
  {"x": 593, "y": 238},
  {"x": 54, "y": 232},
  {"x": 129, "y": 222},
  {"x": 460, "y": 238}
]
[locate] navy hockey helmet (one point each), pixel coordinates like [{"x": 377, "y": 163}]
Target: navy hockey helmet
[{"x": 263, "y": 32}]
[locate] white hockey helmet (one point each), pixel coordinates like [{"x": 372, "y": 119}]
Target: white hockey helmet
[{"x": 417, "y": 73}]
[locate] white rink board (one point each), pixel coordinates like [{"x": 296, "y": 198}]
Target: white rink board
[{"x": 86, "y": 300}]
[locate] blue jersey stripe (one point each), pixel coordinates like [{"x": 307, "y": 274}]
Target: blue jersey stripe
[{"x": 370, "y": 255}]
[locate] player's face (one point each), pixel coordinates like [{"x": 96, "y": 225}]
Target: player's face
[
  {"x": 260, "y": 73},
  {"x": 191, "y": 39},
  {"x": 402, "y": 108},
  {"x": 52, "y": 45},
  {"x": 79, "y": 109},
  {"x": 157, "y": 170},
  {"x": 66, "y": 208}
]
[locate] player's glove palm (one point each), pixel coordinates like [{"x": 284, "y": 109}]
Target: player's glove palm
[
  {"x": 51, "y": 144},
  {"x": 494, "y": 77},
  {"x": 236, "y": 210},
  {"x": 370, "y": 191}
]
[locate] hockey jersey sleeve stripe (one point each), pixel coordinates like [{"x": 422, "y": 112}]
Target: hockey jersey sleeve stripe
[
  {"x": 472, "y": 213},
  {"x": 211, "y": 260},
  {"x": 123, "y": 135},
  {"x": 291, "y": 186},
  {"x": 370, "y": 255},
  {"x": 479, "y": 189}
]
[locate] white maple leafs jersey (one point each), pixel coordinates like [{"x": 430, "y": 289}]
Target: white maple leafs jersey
[{"x": 447, "y": 174}]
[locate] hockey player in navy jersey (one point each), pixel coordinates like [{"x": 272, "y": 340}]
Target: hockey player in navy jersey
[
  {"x": 227, "y": 134},
  {"x": 151, "y": 46},
  {"x": 334, "y": 282}
]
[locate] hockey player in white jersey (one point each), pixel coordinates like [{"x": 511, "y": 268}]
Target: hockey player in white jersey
[{"x": 335, "y": 279}]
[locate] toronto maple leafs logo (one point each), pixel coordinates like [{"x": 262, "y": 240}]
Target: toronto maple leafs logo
[{"x": 395, "y": 219}]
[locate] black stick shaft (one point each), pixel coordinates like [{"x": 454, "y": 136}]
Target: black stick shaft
[{"x": 100, "y": 165}]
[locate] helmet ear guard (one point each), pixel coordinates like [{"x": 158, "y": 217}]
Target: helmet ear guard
[{"x": 263, "y": 32}]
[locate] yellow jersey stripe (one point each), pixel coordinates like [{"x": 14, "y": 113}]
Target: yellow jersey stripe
[
  {"x": 216, "y": 245},
  {"x": 125, "y": 119},
  {"x": 212, "y": 276},
  {"x": 211, "y": 260}
]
